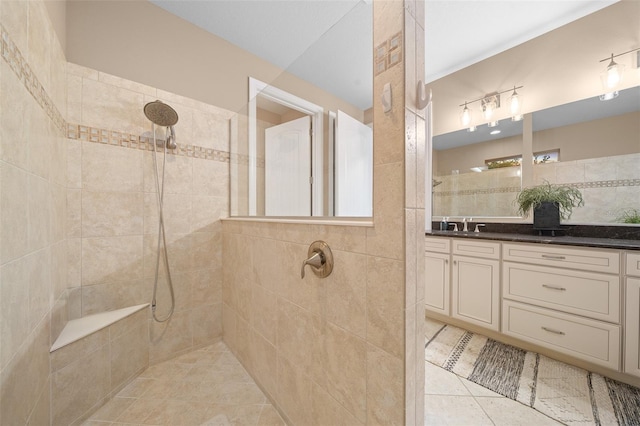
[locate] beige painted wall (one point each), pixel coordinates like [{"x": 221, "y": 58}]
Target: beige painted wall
[
  {"x": 141, "y": 42},
  {"x": 556, "y": 68}
]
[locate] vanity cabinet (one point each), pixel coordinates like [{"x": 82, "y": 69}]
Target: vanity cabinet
[
  {"x": 437, "y": 259},
  {"x": 566, "y": 299},
  {"x": 475, "y": 283},
  {"x": 632, "y": 314}
]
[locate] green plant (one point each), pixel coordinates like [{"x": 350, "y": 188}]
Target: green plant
[
  {"x": 565, "y": 196},
  {"x": 629, "y": 216},
  {"x": 502, "y": 163}
]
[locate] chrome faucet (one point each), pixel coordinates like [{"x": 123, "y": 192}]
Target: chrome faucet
[
  {"x": 455, "y": 226},
  {"x": 478, "y": 227},
  {"x": 465, "y": 227}
]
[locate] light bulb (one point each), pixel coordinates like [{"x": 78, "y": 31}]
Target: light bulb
[
  {"x": 465, "y": 116},
  {"x": 515, "y": 103},
  {"x": 613, "y": 75},
  {"x": 489, "y": 106},
  {"x": 611, "y": 78}
]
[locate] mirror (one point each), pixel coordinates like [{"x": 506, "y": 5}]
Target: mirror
[
  {"x": 477, "y": 173},
  {"x": 303, "y": 144},
  {"x": 570, "y": 135},
  {"x": 595, "y": 147}
]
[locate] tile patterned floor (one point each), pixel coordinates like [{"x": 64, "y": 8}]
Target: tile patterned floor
[
  {"x": 452, "y": 400},
  {"x": 210, "y": 387},
  {"x": 204, "y": 387}
]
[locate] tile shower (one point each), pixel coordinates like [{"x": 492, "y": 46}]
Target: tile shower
[
  {"x": 78, "y": 214},
  {"x": 77, "y": 235}
]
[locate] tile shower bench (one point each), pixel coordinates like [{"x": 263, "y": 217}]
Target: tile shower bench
[{"x": 95, "y": 357}]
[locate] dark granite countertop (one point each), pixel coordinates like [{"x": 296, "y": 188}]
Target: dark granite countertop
[{"x": 613, "y": 243}]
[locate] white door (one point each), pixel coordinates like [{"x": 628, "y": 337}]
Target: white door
[
  {"x": 353, "y": 167},
  {"x": 288, "y": 169}
]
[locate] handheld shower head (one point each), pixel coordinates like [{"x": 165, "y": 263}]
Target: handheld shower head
[{"x": 161, "y": 114}]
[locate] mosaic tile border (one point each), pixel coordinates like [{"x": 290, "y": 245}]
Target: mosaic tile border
[
  {"x": 616, "y": 183},
  {"x": 14, "y": 58},
  {"x": 478, "y": 191},
  {"x": 128, "y": 140}
]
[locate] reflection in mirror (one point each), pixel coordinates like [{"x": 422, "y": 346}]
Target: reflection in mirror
[
  {"x": 303, "y": 144},
  {"x": 570, "y": 135},
  {"x": 597, "y": 149},
  {"x": 478, "y": 173}
]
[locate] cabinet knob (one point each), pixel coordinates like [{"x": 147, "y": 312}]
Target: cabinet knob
[{"x": 455, "y": 262}]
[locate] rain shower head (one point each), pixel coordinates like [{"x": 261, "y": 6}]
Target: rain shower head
[{"x": 161, "y": 114}]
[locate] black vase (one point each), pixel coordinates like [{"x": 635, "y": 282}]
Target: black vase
[{"x": 546, "y": 217}]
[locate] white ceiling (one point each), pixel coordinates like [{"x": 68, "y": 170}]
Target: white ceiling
[{"x": 329, "y": 42}]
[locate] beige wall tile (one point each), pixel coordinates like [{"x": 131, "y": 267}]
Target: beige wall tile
[
  {"x": 264, "y": 313},
  {"x": 111, "y": 168},
  {"x": 385, "y": 393},
  {"x": 410, "y": 159},
  {"x": 179, "y": 175},
  {"x": 176, "y": 213},
  {"x": 14, "y": 185},
  {"x": 206, "y": 212},
  {"x": 385, "y": 304},
  {"x": 386, "y": 239},
  {"x": 210, "y": 177},
  {"x": 344, "y": 358},
  {"x": 14, "y": 127},
  {"x": 74, "y": 262},
  {"x": 40, "y": 43},
  {"x": 74, "y": 96},
  {"x": 74, "y": 213},
  {"x": 14, "y": 15},
  {"x": 40, "y": 142},
  {"x": 206, "y": 323},
  {"x": 24, "y": 378},
  {"x": 346, "y": 292},
  {"x": 327, "y": 411},
  {"x": 308, "y": 292},
  {"x": 127, "y": 84},
  {"x": 264, "y": 361},
  {"x": 297, "y": 330},
  {"x": 79, "y": 349},
  {"x": 39, "y": 285},
  {"x": 41, "y": 414},
  {"x": 80, "y": 385},
  {"x": 108, "y": 296},
  {"x": 111, "y": 259},
  {"x": 39, "y": 216},
  {"x": 351, "y": 239},
  {"x": 110, "y": 107},
  {"x": 206, "y": 286},
  {"x": 58, "y": 213},
  {"x": 169, "y": 338},
  {"x": 129, "y": 354},
  {"x": 14, "y": 299},
  {"x": 107, "y": 214},
  {"x": 205, "y": 249},
  {"x": 74, "y": 163},
  {"x": 294, "y": 391}
]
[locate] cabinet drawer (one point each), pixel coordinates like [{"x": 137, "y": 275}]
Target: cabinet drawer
[
  {"x": 583, "y": 259},
  {"x": 583, "y": 338},
  {"x": 633, "y": 264},
  {"x": 476, "y": 248},
  {"x": 440, "y": 245},
  {"x": 584, "y": 293}
]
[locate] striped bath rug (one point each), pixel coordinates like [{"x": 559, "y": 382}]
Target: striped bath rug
[{"x": 568, "y": 394}]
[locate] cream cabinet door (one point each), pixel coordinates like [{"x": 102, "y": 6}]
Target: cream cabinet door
[
  {"x": 436, "y": 296},
  {"x": 632, "y": 327},
  {"x": 476, "y": 291}
]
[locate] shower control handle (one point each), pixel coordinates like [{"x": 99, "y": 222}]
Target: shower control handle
[{"x": 320, "y": 258}]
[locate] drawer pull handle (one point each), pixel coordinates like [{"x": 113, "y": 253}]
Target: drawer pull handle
[
  {"x": 553, "y": 287},
  {"x": 548, "y": 256},
  {"x": 551, "y": 330}
]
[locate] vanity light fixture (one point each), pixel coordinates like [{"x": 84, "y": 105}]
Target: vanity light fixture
[
  {"x": 490, "y": 103},
  {"x": 612, "y": 76},
  {"x": 495, "y": 132}
]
